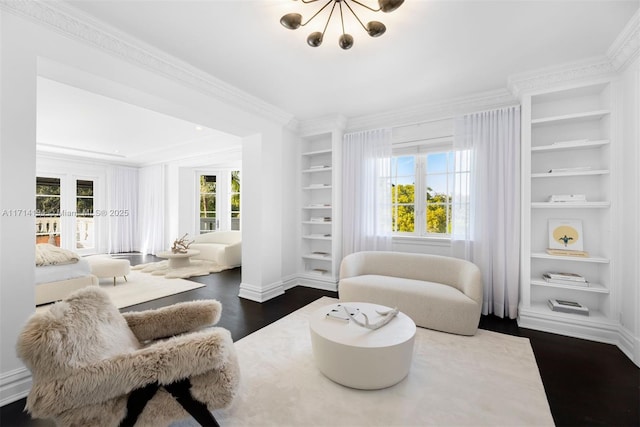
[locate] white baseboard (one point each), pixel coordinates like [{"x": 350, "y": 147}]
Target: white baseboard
[
  {"x": 261, "y": 294},
  {"x": 630, "y": 345},
  {"x": 14, "y": 385},
  {"x": 605, "y": 332}
]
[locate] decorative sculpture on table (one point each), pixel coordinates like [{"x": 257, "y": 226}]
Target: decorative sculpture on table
[
  {"x": 180, "y": 246},
  {"x": 387, "y": 316}
]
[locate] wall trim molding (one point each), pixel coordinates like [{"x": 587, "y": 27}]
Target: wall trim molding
[
  {"x": 324, "y": 124},
  {"x": 261, "y": 293},
  {"x": 438, "y": 110},
  {"x": 549, "y": 77},
  {"x": 71, "y": 22},
  {"x": 626, "y": 47},
  {"x": 14, "y": 385}
]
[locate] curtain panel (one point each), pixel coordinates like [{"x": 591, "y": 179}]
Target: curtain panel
[
  {"x": 366, "y": 195},
  {"x": 152, "y": 209},
  {"x": 122, "y": 209},
  {"x": 486, "y": 223}
]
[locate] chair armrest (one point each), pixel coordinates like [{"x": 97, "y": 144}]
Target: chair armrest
[
  {"x": 163, "y": 362},
  {"x": 173, "y": 320}
]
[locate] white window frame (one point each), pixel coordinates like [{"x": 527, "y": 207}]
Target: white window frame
[
  {"x": 419, "y": 149},
  {"x": 68, "y": 215},
  {"x": 223, "y": 197}
]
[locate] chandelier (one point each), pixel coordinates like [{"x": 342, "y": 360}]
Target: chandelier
[{"x": 293, "y": 21}]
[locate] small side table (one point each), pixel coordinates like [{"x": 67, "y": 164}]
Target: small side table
[{"x": 178, "y": 260}]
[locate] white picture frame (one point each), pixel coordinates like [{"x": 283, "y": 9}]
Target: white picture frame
[{"x": 566, "y": 234}]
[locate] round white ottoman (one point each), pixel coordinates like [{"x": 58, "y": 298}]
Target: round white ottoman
[
  {"x": 358, "y": 357},
  {"x": 105, "y": 266}
]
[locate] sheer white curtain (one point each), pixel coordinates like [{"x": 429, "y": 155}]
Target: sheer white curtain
[
  {"x": 486, "y": 226},
  {"x": 122, "y": 209},
  {"x": 152, "y": 209},
  {"x": 366, "y": 193}
]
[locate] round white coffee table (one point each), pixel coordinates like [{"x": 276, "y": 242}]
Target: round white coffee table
[
  {"x": 178, "y": 260},
  {"x": 358, "y": 357}
]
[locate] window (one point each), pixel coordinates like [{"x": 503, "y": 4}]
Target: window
[
  {"x": 219, "y": 200},
  {"x": 208, "y": 202},
  {"x": 235, "y": 200},
  {"x": 422, "y": 191},
  {"x": 84, "y": 215},
  {"x": 48, "y": 202},
  {"x": 61, "y": 209}
]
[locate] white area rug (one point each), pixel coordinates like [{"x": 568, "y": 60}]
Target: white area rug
[
  {"x": 488, "y": 379},
  {"x": 197, "y": 268},
  {"x": 141, "y": 287}
]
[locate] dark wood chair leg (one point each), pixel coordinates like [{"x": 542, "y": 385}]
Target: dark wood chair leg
[
  {"x": 180, "y": 390},
  {"x": 138, "y": 399}
]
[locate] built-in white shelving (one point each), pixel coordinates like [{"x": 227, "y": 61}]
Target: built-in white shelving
[
  {"x": 568, "y": 130},
  {"x": 318, "y": 246}
]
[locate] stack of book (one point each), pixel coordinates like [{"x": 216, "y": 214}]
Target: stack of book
[
  {"x": 567, "y": 198},
  {"x": 568, "y": 307},
  {"x": 320, "y": 219},
  {"x": 571, "y": 170},
  {"x": 567, "y": 252},
  {"x": 560, "y": 278}
]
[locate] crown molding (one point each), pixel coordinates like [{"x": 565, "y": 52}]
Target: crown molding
[
  {"x": 574, "y": 72},
  {"x": 626, "y": 47},
  {"x": 322, "y": 125},
  {"x": 71, "y": 22},
  {"x": 434, "y": 111}
]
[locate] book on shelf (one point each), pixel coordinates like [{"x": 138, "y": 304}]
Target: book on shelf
[
  {"x": 320, "y": 235},
  {"x": 320, "y": 219},
  {"x": 565, "y": 306},
  {"x": 567, "y": 198},
  {"x": 319, "y": 205},
  {"x": 318, "y": 271},
  {"x": 566, "y": 252},
  {"x": 319, "y": 167},
  {"x": 318, "y": 185},
  {"x": 564, "y": 282},
  {"x": 574, "y": 169},
  {"x": 565, "y": 276},
  {"x": 322, "y": 254}
]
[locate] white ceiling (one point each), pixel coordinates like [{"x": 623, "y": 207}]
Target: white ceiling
[
  {"x": 432, "y": 50},
  {"x": 78, "y": 122}
]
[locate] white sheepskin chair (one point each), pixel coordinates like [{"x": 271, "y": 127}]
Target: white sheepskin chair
[{"x": 95, "y": 366}]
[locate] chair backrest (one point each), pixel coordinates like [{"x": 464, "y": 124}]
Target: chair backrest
[{"x": 78, "y": 331}]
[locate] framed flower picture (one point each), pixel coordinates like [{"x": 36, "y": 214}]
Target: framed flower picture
[{"x": 566, "y": 234}]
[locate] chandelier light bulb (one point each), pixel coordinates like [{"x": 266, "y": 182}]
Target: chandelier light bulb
[{"x": 293, "y": 21}]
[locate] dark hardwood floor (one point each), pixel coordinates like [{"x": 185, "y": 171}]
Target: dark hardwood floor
[{"x": 587, "y": 383}]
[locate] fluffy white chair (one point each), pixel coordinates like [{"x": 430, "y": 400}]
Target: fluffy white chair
[
  {"x": 93, "y": 366},
  {"x": 222, "y": 247},
  {"x": 437, "y": 292}
]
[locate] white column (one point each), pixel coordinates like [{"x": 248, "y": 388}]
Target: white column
[
  {"x": 18, "y": 69},
  {"x": 262, "y": 227}
]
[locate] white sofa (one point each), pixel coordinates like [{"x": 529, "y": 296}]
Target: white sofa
[
  {"x": 437, "y": 292},
  {"x": 221, "y": 247}
]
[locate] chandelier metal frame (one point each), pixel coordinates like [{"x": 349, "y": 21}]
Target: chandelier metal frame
[{"x": 293, "y": 21}]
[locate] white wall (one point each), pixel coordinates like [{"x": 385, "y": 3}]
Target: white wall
[
  {"x": 630, "y": 245},
  {"x": 290, "y": 202},
  {"x": 17, "y": 182}
]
